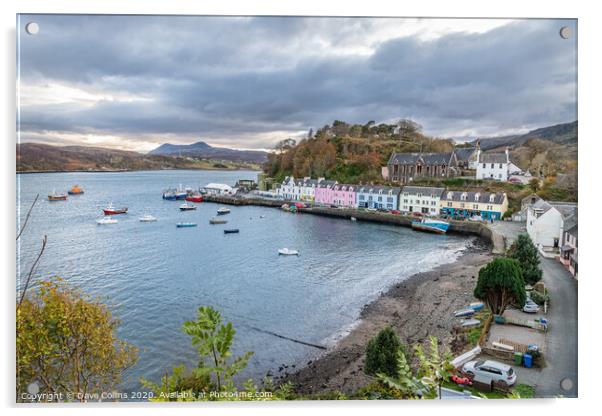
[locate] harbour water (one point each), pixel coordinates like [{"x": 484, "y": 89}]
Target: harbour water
[{"x": 154, "y": 276}]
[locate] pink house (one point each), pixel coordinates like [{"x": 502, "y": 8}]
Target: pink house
[{"x": 336, "y": 194}]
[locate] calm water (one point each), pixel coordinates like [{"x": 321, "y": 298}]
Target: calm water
[{"x": 154, "y": 276}]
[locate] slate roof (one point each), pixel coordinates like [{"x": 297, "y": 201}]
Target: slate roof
[
  {"x": 493, "y": 158},
  {"x": 566, "y": 209},
  {"x": 324, "y": 183},
  {"x": 426, "y": 158},
  {"x": 465, "y": 153},
  {"x": 484, "y": 197},
  {"x": 424, "y": 190},
  {"x": 375, "y": 189}
]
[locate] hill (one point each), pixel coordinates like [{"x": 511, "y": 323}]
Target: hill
[
  {"x": 565, "y": 133},
  {"x": 36, "y": 157},
  {"x": 206, "y": 151}
]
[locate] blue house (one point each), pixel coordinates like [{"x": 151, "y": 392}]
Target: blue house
[{"x": 372, "y": 196}]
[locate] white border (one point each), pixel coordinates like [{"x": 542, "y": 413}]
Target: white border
[{"x": 589, "y": 162}]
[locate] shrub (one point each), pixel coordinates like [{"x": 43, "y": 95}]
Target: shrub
[
  {"x": 381, "y": 354},
  {"x": 501, "y": 284},
  {"x": 540, "y": 298},
  {"x": 526, "y": 253}
]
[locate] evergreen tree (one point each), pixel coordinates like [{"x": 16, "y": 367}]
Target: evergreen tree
[
  {"x": 501, "y": 284},
  {"x": 382, "y": 354},
  {"x": 526, "y": 253}
]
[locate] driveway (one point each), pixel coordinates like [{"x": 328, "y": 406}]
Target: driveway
[{"x": 561, "y": 339}]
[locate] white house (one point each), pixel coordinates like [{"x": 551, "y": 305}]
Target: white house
[
  {"x": 299, "y": 189},
  {"x": 496, "y": 166},
  {"x": 425, "y": 200},
  {"x": 546, "y": 223},
  {"x": 289, "y": 189}
]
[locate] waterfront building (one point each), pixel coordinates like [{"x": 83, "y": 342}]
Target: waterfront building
[
  {"x": 324, "y": 192},
  {"x": 406, "y": 167},
  {"x": 423, "y": 199},
  {"x": 264, "y": 182},
  {"x": 496, "y": 166},
  {"x": 546, "y": 224},
  {"x": 300, "y": 189},
  {"x": 467, "y": 157},
  {"x": 487, "y": 205},
  {"x": 372, "y": 196},
  {"x": 344, "y": 195},
  {"x": 307, "y": 188},
  {"x": 219, "y": 189}
]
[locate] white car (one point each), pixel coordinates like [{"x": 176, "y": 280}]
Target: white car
[
  {"x": 531, "y": 307},
  {"x": 491, "y": 371}
]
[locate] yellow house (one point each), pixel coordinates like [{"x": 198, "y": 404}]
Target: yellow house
[{"x": 488, "y": 205}]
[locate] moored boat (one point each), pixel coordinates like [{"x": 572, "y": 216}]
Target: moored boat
[
  {"x": 431, "y": 225},
  {"x": 217, "y": 221},
  {"x": 186, "y": 224},
  {"x": 194, "y": 197},
  {"x": 231, "y": 231},
  {"x": 187, "y": 207},
  {"x": 76, "y": 190},
  {"x": 147, "y": 218},
  {"x": 111, "y": 210},
  {"x": 353, "y": 219},
  {"x": 223, "y": 211},
  {"x": 169, "y": 195},
  {"x": 54, "y": 196},
  {"x": 288, "y": 252},
  {"x": 464, "y": 312},
  {"x": 106, "y": 221}
]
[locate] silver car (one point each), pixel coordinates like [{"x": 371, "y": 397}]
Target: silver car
[{"x": 490, "y": 370}]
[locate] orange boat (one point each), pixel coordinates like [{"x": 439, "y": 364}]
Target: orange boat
[
  {"x": 194, "y": 198},
  {"x": 76, "y": 190}
]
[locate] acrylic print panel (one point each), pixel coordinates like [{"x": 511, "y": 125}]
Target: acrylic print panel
[{"x": 262, "y": 208}]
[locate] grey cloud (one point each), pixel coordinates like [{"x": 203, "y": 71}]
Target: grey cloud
[{"x": 225, "y": 79}]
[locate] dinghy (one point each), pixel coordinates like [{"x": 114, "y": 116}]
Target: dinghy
[{"x": 288, "y": 252}]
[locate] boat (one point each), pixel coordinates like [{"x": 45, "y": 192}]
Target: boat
[
  {"x": 231, "y": 231},
  {"x": 169, "y": 195},
  {"x": 288, "y": 252},
  {"x": 194, "y": 198},
  {"x": 187, "y": 207},
  {"x": 186, "y": 224},
  {"x": 353, "y": 219},
  {"x": 217, "y": 221},
  {"x": 147, "y": 218},
  {"x": 434, "y": 226},
  {"x": 76, "y": 190},
  {"x": 111, "y": 210},
  {"x": 476, "y": 306},
  {"x": 464, "y": 312},
  {"x": 105, "y": 221},
  {"x": 181, "y": 193},
  {"x": 467, "y": 323},
  {"x": 285, "y": 207},
  {"x": 57, "y": 197},
  {"x": 371, "y": 210},
  {"x": 223, "y": 211}
]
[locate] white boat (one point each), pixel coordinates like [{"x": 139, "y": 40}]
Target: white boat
[
  {"x": 187, "y": 207},
  {"x": 288, "y": 252},
  {"x": 147, "y": 218},
  {"x": 106, "y": 220},
  {"x": 223, "y": 210},
  {"x": 353, "y": 219},
  {"x": 371, "y": 209}
]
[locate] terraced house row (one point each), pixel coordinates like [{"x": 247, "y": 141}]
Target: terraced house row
[{"x": 425, "y": 200}]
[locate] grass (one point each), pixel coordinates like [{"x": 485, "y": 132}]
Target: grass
[{"x": 525, "y": 391}]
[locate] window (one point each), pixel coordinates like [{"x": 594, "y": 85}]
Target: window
[
  {"x": 492, "y": 165},
  {"x": 380, "y": 198},
  {"x": 475, "y": 206},
  {"x": 389, "y": 199},
  {"x": 433, "y": 202},
  {"x": 484, "y": 165},
  {"x": 361, "y": 197},
  {"x": 500, "y": 165},
  {"x": 449, "y": 204},
  {"x": 462, "y": 205}
]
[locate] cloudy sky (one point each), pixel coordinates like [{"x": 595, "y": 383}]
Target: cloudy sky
[{"x": 136, "y": 82}]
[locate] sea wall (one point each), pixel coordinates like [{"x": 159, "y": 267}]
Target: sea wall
[{"x": 480, "y": 229}]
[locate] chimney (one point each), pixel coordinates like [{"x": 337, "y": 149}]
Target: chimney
[{"x": 507, "y": 154}]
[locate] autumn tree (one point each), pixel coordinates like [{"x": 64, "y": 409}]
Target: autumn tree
[
  {"x": 500, "y": 284},
  {"x": 66, "y": 343}
]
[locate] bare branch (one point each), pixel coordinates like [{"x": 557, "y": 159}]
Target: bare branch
[
  {"x": 27, "y": 216},
  {"x": 32, "y": 270}
]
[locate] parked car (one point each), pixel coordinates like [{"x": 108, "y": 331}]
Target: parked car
[
  {"x": 396, "y": 212},
  {"x": 490, "y": 370},
  {"x": 417, "y": 214},
  {"x": 382, "y": 210},
  {"x": 530, "y": 307},
  {"x": 371, "y": 209}
]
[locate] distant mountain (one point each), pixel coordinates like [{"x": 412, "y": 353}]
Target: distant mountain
[
  {"x": 35, "y": 157},
  {"x": 560, "y": 134},
  {"x": 204, "y": 151}
]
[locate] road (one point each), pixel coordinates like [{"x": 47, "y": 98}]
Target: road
[{"x": 561, "y": 339}]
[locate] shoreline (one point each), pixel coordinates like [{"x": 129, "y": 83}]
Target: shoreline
[
  {"x": 417, "y": 307},
  {"x": 130, "y": 170}
]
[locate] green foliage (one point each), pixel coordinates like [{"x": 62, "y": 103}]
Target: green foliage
[
  {"x": 500, "y": 284},
  {"x": 540, "y": 298},
  {"x": 523, "y": 391},
  {"x": 526, "y": 253},
  {"x": 435, "y": 367},
  {"x": 473, "y": 335},
  {"x": 66, "y": 343},
  {"x": 382, "y": 354},
  {"x": 404, "y": 382},
  {"x": 534, "y": 184},
  {"x": 213, "y": 341}
]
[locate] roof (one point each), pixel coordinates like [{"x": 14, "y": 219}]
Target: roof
[
  {"x": 566, "y": 209},
  {"x": 493, "y": 158},
  {"x": 465, "y": 153},
  {"x": 470, "y": 196},
  {"x": 426, "y": 158},
  {"x": 375, "y": 189},
  {"x": 574, "y": 231},
  {"x": 324, "y": 183},
  {"x": 414, "y": 190},
  {"x": 218, "y": 186}
]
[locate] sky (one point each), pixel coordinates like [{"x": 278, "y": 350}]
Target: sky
[{"x": 135, "y": 82}]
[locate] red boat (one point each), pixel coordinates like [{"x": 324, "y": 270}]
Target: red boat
[
  {"x": 194, "y": 198},
  {"x": 111, "y": 210}
]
